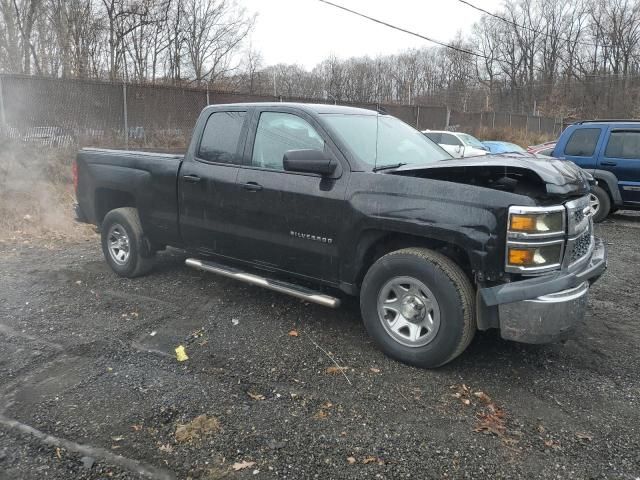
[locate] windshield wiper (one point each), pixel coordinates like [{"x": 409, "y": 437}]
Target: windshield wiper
[{"x": 389, "y": 167}]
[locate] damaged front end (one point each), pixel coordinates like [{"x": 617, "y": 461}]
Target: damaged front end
[
  {"x": 525, "y": 175},
  {"x": 551, "y": 256}
]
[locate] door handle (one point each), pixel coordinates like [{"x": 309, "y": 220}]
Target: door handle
[
  {"x": 609, "y": 164},
  {"x": 191, "y": 178},
  {"x": 252, "y": 186}
]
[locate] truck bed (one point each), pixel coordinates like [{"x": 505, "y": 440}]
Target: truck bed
[{"x": 143, "y": 179}]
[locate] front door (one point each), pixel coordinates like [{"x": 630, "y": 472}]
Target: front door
[{"x": 290, "y": 221}]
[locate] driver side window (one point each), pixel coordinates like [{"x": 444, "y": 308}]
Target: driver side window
[{"x": 278, "y": 133}]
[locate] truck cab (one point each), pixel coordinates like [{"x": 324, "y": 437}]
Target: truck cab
[{"x": 610, "y": 151}]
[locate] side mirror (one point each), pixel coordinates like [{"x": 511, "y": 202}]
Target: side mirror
[{"x": 309, "y": 161}]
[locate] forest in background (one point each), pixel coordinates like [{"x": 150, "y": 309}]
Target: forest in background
[{"x": 565, "y": 58}]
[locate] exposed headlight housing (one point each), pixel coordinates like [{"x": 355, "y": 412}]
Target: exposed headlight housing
[
  {"x": 534, "y": 256},
  {"x": 535, "y": 239},
  {"x": 545, "y": 223}
]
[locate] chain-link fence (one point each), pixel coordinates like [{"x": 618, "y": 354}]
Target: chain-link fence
[{"x": 60, "y": 112}]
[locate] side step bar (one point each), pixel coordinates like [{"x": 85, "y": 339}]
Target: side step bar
[{"x": 275, "y": 285}]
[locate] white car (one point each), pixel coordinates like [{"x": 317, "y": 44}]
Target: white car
[{"x": 458, "y": 144}]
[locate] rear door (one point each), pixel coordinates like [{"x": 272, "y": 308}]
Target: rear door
[
  {"x": 290, "y": 221},
  {"x": 207, "y": 183},
  {"x": 621, "y": 156}
]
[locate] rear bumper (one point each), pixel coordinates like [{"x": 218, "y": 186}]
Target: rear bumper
[
  {"x": 79, "y": 214},
  {"x": 545, "y": 309}
]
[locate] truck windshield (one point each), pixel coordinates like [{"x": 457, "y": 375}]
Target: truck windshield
[{"x": 382, "y": 140}]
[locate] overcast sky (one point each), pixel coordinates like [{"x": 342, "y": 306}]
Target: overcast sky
[{"x": 307, "y": 31}]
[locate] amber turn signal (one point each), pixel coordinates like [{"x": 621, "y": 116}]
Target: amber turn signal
[
  {"x": 523, "y": 223},
  {"x": 520, "y": 256}
]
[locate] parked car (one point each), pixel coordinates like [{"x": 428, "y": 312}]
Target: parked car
[
  {"x": 610, "y": 151},
  {"x": 495, "y": 147},
  {"x": 542, "y": 149},
  {"x": 49, "y": 136},
  {"x": 459, "y": 145},
  {"x": 310, "y": 200}
]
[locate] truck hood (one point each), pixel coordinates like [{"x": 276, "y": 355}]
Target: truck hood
[{"x": 511, "y": 172}]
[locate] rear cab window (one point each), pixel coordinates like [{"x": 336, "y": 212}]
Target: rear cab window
[
  {"x": 583, "y": 142},
  {"x": 222, "y": 138}
]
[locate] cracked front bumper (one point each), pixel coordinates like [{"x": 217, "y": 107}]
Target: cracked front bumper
[{"x": 545, "y": 309}]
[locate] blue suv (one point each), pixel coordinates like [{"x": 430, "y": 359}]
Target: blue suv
[{"x": 610, "y": 151}]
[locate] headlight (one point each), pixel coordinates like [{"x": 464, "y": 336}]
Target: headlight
[
  {"x": 535, "y": 239},
  {"x": 532, "y": 257},
  {"x": 537, "y": 223}
]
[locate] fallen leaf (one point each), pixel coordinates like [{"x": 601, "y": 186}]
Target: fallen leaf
[
  {"x": 166, "y": 448},
  {"x": 256, "y": 396},
  {"x": 58, "y": 453},
  {"x": 374, "y": 370},
  {"x": 466, "y": 401},
  {"x": 336, "y": 370},
  {"x": 242, "y": 465},
  {"x": 321, "y": 414},
  {"x": 181, "y": 354},
  {"x": 584, "y": 436},
  {"x": 197, "y": 428},
  {"x": 491, "y": 421},
  {"x": 136, "y": 428},
  {"x": 117, "y": 439},
  {"x": 368, "y": 460},
  {"x": 235, "y": 321},
  {"x": 293, "y": 333},
  {"x": 483, "y": 397},
  {"x": 351, "y": 460}
]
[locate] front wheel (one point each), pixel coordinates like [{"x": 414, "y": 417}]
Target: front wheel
[
  {"x": 599, "y": 203},
  {"x": 418, "y": 306},
  {"x": 123, "y": 243}
]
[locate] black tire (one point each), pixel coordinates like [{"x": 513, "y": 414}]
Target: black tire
[
  {"x": 139, "y": 259},
  {"x": 452, "y": 290},
  {"x": 605, "y": 203}
]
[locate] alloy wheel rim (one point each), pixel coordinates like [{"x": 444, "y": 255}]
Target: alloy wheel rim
[
  {"x": 409, "y": 311},
  {"x": 594, "y": 204},
  {"x": 118, "y": 244}
]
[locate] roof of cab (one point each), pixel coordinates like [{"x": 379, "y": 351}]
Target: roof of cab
[{"x": 308, "y": 107}]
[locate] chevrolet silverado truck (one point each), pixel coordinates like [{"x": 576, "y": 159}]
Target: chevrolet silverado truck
[{"x": 323, "y": 201}]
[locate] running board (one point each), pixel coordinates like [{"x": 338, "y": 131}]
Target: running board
[{"x": 275, "y": 285}]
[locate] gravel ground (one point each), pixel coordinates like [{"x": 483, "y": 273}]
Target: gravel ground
[{"x": 90, "y": 386}]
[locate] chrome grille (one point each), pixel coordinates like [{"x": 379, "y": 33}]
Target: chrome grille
[
  {"x": 580, "y": 247},
  {"x": 579, "y": 230}
]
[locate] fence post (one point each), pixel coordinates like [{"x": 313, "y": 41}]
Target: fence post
[
  {"x": 3, "y": 116},
  {"x": 493, "y": 121},
  {"x": 418, "y": 118},
  {"x": 208, "y": 102},
  {"x": 126, "y": 119},
  {"x": 447, "y": 118},
  {"x": 539, "y": 123}
]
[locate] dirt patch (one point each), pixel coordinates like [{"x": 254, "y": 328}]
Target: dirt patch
[
  {"x": 79, "y": 365},
  {"x": 36, "y": 194}
]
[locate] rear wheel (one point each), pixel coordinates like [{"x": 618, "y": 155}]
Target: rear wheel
[
  {"x": 599, "y": 203},
  {"x": 418, "y": 306},
  {"x": 124, "y": 246}
]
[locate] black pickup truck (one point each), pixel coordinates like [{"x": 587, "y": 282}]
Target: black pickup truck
[{"x": 317, "y": 201}]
